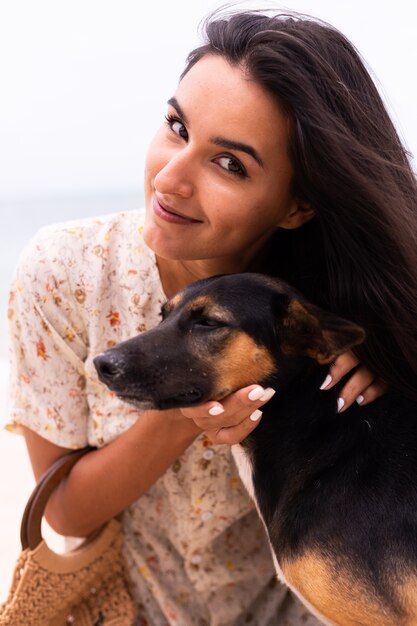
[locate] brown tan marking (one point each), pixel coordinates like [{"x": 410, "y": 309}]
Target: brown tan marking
[
  {"x": 302, "y": 324},
  {"x": 407, "y": 592},
  {"x": 305, "y": 332},
  {"x": 335, "y": 592},
  {"x": 299, "y": 313},
  {"x": 210, "y": 307},
  {"x": 174, "y": 302},
  {"x": 242, "y": 362}
]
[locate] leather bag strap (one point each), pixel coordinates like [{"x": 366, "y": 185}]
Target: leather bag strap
[{"x": 30, "y": 529}]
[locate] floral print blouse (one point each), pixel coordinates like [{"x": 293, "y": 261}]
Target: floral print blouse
[{"x": 196, "y": 551}]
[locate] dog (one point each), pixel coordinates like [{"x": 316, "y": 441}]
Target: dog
[{"x": 337, "y": 492}]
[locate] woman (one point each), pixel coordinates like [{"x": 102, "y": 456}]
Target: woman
[{"x": 277, "y": 155}]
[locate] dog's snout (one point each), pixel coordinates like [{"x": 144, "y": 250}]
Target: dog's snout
[{"x": 109, "y": 367}]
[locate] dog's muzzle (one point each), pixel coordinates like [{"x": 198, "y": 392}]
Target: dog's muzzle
[{"x": 110, "y": 368}]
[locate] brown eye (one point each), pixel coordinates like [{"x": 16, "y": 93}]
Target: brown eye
[
  {"x": 232, "y": 165},
  {"x": 176, "y": 126}
]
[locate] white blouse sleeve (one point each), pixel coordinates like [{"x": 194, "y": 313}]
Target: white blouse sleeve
[{"x": 48, "y": 346}]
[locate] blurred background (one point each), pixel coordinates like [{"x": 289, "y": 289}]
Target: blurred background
[{"x": 84, "y": 86}]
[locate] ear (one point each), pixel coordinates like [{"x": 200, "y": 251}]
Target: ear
[
  {"x": 310, "y": 331},
  {"x": 299, "y": 213}
]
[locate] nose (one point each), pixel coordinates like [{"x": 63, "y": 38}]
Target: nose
[
  {"x": 109, "y": 367},
  {"x": 175, "y": 177}
]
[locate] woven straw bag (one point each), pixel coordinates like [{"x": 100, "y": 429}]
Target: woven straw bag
[{"x": 85, "y": 587}]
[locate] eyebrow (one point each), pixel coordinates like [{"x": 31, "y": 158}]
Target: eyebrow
[
  {"x": 221, "y": 141},
  {"x": 238, "y": 145},
  {"x": 174, "y": 103}
]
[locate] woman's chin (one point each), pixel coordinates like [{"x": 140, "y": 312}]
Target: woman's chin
[{"x": 161, "y": 246}]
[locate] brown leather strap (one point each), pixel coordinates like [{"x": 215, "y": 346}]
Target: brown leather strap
[{"x": 30, "y": 529}]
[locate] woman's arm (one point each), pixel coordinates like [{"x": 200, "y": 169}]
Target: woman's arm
[{"x": 106, "y": 481}]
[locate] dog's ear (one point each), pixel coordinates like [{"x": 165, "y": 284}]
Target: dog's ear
[{"x": 310, "y": 331}]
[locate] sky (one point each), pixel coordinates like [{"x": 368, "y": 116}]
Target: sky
[{"x": 84, "y": 84}]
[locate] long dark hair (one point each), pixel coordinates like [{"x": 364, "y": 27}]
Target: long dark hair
[{"x": 358, "y": 256}]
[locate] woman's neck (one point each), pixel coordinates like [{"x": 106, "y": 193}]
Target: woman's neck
[{"x": 175, "y": 274}]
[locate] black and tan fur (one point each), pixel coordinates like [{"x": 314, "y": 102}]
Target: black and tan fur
[{"x": 337, "y": 492}]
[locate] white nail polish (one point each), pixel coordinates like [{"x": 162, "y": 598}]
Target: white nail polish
[
  {"x": 216, "y": 410},
  {"x": 269, "y": 392},
  {"x": 256, "y": 394},
  {"x": 326, "y": 382},
  {"x": 340, "y": 404},
  {"x": 360, "y": 399},
  {"x": 256, "y": 415}
]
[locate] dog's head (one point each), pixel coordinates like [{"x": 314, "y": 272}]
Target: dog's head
[{"x": 219, "y": 335}]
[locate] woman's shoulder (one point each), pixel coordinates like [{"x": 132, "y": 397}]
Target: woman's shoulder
[
  {"x": 88, "y": 246},
  {"x": 109, "y": 230},
  {"x": 102, "y": 257}
]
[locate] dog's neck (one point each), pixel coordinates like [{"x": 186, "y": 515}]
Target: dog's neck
[{"x": 301, "y": 438}]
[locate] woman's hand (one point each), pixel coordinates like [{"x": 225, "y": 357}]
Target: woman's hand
[
  {"x": 234, "y": 418},
  {"x": 362, "y": 386},
  {"x": 238, "y": 414}
]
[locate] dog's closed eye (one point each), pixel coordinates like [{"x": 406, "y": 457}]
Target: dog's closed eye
[{"x": 210, "y": 322}]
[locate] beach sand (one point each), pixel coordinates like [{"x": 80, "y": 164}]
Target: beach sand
[{"x": 16, "y": 484}]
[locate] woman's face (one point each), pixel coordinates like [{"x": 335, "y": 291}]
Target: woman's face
[{"x": 217, "y": 176}]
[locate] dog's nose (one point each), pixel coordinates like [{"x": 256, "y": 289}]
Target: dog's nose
[{"x": 109, "y": 367}]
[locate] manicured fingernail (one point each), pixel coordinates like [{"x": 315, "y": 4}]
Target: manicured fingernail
[
  {"x": 340, "y": 404},
  {"x": 326, "y": 382},
  {"x": 360, "y": 399},
  {"x": 216, "y": 410},
  {"x": 269, "y": 392},
  {"x": 256, "y": 415},
  {"x": 256, "y": 393}
]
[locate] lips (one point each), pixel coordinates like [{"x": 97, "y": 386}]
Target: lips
[{"x": 171, "y": 215}]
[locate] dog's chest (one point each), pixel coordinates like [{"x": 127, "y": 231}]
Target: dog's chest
[
  {"x": 244, "y": 464},
  {"x": 242, "y": 458}
]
